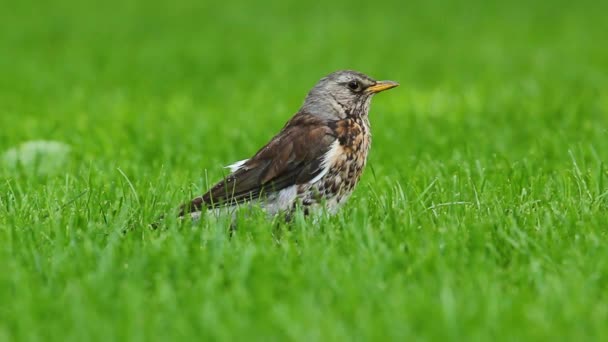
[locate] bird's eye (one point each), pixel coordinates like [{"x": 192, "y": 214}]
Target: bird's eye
[{"x": 353, "y": 85}]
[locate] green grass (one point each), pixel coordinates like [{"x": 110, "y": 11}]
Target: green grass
[{"x": 482, "y": 215}]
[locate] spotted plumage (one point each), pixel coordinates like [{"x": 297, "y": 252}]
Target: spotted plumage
[
  {"x": 315, "y": 161},
  {"x": 344, "y": 161}
]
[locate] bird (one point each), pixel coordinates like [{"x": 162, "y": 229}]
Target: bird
[{"x": 314, "y": 162}]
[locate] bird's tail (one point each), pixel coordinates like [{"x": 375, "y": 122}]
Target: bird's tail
[{"x": 194, "y": 206}]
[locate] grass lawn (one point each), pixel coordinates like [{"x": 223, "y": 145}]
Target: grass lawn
[{"x": 482, "y": 214}]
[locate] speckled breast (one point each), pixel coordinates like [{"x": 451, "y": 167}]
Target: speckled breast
[{"x": 345, "y": 166}]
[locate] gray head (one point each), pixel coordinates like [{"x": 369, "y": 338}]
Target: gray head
[{"x": 343, "y": 93}]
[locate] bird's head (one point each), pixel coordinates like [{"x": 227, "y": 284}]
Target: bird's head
[{"x": 342, "y": 94}]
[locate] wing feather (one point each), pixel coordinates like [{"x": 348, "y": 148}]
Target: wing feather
[{"x": 294, "y": 156}]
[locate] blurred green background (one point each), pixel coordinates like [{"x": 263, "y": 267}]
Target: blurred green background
[
  {"x": 73, "y": 70},
  {"x": 482, "y": 214}
]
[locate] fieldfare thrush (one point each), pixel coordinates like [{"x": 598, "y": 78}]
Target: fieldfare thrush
[{"x": 316, "y": 159}]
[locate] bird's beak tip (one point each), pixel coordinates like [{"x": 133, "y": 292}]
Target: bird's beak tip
[{"x": 382, "y": 86}]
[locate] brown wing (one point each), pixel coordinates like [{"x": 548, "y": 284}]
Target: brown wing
[{"x": 294, "y": 156}]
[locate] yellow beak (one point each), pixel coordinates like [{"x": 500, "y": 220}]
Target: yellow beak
[{"x": 381, "y": 86}]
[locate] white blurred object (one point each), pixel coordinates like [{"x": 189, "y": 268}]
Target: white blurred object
[{"x": 37, "y": 156}]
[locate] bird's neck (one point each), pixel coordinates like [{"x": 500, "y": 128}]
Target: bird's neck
[
  {"x": 330, "y": 108},
  {"x": 325, "y": 108}
]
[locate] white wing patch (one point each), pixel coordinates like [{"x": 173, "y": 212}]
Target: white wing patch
[
  {"x": 236, "y": 166},
  {"x": 329, "y": 159}
]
